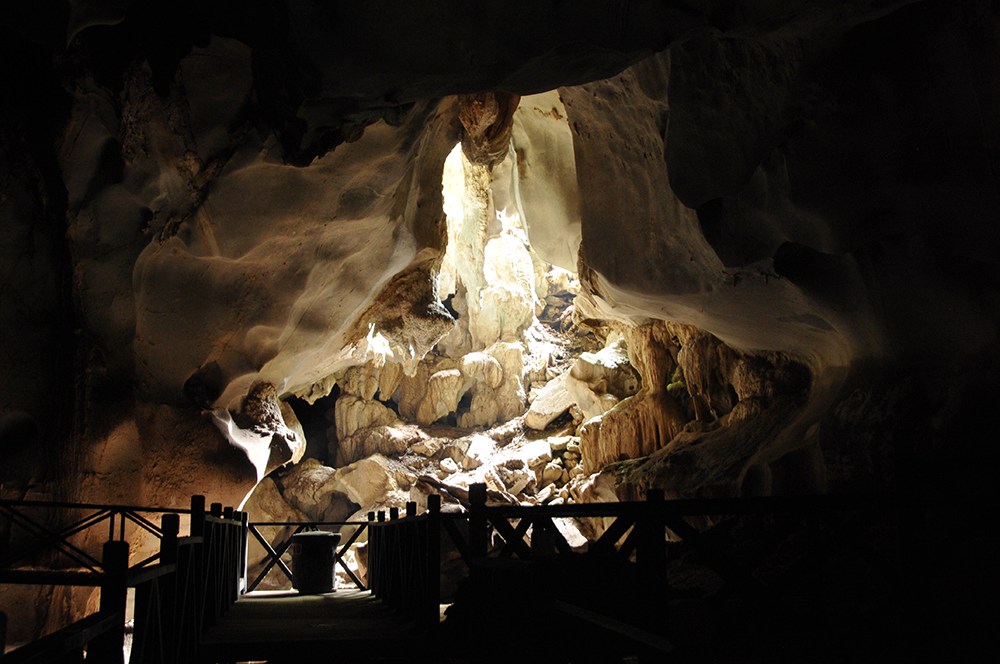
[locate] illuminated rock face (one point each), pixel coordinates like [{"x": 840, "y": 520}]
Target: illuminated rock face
[
  {"x": 787, "y": 210},
  {"x": 812, "y": 217}
]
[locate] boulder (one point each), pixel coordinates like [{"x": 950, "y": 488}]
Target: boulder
[
  {"x": 517, "y": 480},
  {"x": 608, "y": 370},
  {"x": 308, "y": 488},
  {"x": 444, "y": 389},
  {"x": 267, "y": 503},
  {"x": 373, "y": 481},
  {"x": 558, "y": 444},
  {"x": 535, "y": 454},
  {"x": 266, "y": 428},
  {"x": 551, "y": 401},
  {"x": 504, "y": 402},
  {"x": 388, "y": 439},
  {"x": 428, "y": 447},
  {"x": 552, "y": 472},
  {"x": 352, "y": 413},
  {"x": 480, "y": 448},
  {"x": 482, "y": 368}
]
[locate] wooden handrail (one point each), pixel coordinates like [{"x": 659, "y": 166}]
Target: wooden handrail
[
  {"x": 197, "y": 577},
  {"x": 275, "y": 550},
  {"x": 306, "y": 524},
  {"x": 51, "y": 577},
  {"x": 52, "y": 647},
  {"x": 94, "y": 506},
  {"x": 693, "y": 506},
  {"x": 146, "y": 574},
  {"x": 404, "y": 560}
]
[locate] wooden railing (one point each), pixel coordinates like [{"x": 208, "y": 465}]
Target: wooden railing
[
  {"x": 633, "y": 549},
  {"x": 274, "y": 551},
  {"x": 32, "y": 518},
  {"x": 190, "y": 582},
  {"x": 404, "y": 551},
  {"x": 193, "y": 581},
  {"x": 640, "y": 529},
  {"x": 404, "y": 560}
]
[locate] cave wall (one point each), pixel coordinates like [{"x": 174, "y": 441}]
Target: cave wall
[
  {"x": 196, "y": 196},
  {"x": 196, "y": 202},
  {"x": 810, "y": 189},
  {"x": 199, "y": 197}
]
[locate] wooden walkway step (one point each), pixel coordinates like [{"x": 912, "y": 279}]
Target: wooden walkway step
[{"x": 282, "y": 625}]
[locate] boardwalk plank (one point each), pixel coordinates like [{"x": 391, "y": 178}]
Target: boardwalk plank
[{"x": 284, "y": 625}]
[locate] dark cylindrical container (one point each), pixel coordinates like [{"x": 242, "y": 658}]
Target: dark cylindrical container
[{"x": 312, "y": 561}]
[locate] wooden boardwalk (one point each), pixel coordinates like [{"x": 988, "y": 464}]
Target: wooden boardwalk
[
  {"x": 282, "y": 625},
  {"x": 189, "y": 605}
]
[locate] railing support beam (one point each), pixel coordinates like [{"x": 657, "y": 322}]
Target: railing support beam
[{"x": 114, "y": 591}]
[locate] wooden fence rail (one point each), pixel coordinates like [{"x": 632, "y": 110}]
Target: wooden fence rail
[
  {"x": 404, "y": 560},
  {"x": 193, "y": 581},
  {"x": 31, "y": 518},
  {"x": 274, "y": 551}
]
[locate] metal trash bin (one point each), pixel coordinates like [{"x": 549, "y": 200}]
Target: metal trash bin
[{"x": 312, "y": 561}]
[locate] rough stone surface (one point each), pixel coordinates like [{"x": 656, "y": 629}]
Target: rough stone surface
[
  {"x": 551, "y": 401},
  {"x": 308, "y": 487},
  {"x": 353, "y": 414},
  {"x": 387, "y": 439},
  {"x": 267, "y": 503},
  {"x": 375, "y": 480},
  {"x": 195, "y": 203}
]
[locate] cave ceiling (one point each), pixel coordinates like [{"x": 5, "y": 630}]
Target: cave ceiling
[{"x": 213, "y": 194}]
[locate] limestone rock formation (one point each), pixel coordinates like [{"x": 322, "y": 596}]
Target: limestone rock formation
[
  {"x": 388, "y": 439},
  {"x": 268, "y": 504},
  {"x": 259, "y": 429},
  {"x": 550, "y": 402},
  {"x": 308, "y": 488},
  {"x": 594, "y": 383},
  {"x": 375, "y": 480},
  {"x": 487, "y": 119},
  {"x": 786, "y": 209},
  {"x": 354, "y": 413}
]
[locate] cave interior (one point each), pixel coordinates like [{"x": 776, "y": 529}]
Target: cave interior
[{"x": 318, "y": 259}]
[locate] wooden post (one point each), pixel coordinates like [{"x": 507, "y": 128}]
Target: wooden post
[
  {"x": 542, "y": 541},
  {"x": 651, "y": 552},
  {"x": 394, "y": 545},
  {"x": 478, "y": 533},
  {"x": 197, "y": 558},
  {"x": 114, "y": 591},
  {"x": 383, "y": 560},
  {"x": 212, "y": 570},
  {"x": 230, "y": 558},
  {"x": 411, "y": 508},
  {"x": 244, "y": 553},
  {"x": 432, "y": 598},
  {"x": 373, "y": 561},
  {"x": 170, "y": 525},
  {"x": 197, "y": 527}
]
